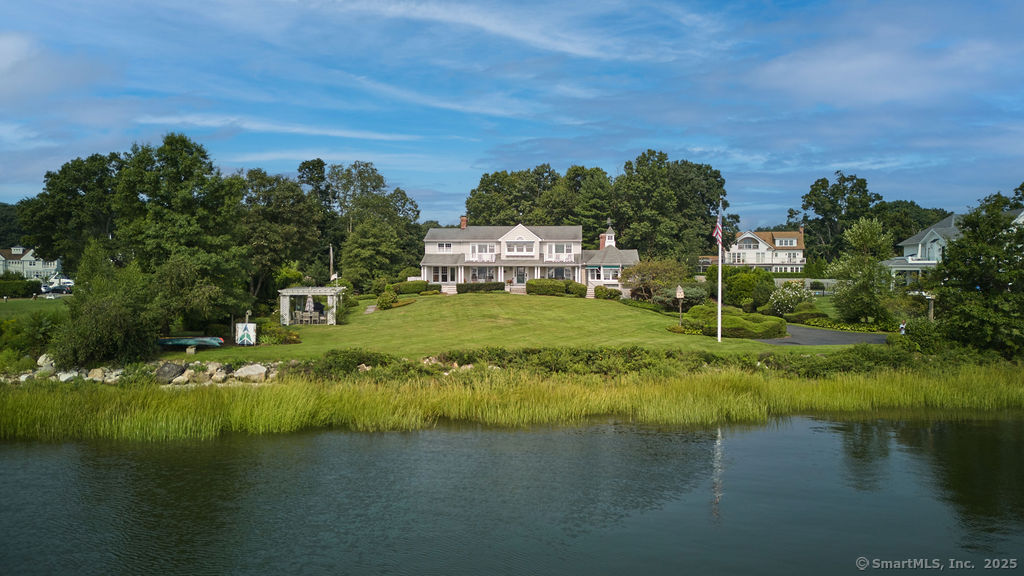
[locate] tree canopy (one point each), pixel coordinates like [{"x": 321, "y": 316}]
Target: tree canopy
[{"x": 982, "y": 277}]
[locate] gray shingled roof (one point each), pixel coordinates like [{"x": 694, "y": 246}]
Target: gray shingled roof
[
  {"x": 610, "y": 256},
  {"x": 946, "y": 228},
  {"x": 484, "y": 233},
  {"x": 442, "y": 260}
]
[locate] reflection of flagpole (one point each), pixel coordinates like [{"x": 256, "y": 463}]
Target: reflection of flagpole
[
  {"x": 717, "y": 469},
  {"x": 718, "y": 236}
]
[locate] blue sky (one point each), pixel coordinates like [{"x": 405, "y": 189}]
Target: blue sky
[{"x": 924, "y": 99}]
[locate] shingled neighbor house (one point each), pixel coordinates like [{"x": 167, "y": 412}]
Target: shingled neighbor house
[
  {"x": 514, "y": 254},
  {"x": 923, "y": 251}
]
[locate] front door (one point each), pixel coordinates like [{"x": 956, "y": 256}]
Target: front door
[{"x": 520, "y": 274}]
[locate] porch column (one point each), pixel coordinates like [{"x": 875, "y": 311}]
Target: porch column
[
  {"x": 536, "y": 272},
  {"x": 332, "y": 301},
  {"x": 286, "y": 310},
  {"x": 501, "y": 274}
]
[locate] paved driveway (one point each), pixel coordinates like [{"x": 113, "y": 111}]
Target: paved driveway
[{"x": 807, "y": 336}]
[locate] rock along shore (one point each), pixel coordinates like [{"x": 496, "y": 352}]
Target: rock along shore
[{"x": 166, "y": 373}]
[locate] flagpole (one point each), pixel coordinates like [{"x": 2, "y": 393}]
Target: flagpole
[{"x": 721, "y": 263}]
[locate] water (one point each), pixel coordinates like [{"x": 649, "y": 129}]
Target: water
[{"x": 797, "y": 496}]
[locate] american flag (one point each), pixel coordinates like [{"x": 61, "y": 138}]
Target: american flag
[{"x": 718, "y": 229}]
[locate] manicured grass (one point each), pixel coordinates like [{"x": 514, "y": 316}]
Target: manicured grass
[
  {"x": 824, "y": 303},
  {"x": 507, "y": 398},
  {"x": 20, "y": 306},
  {"x": 434, "y": 324}
]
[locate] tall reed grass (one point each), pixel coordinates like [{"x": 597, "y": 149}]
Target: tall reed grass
[{"x": 504, "y": 398}]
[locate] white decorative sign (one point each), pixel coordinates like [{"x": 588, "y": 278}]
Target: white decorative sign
[{"x": 245, "y": 334}]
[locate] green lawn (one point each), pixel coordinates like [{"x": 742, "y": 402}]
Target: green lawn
[
  {"x": 19, "y": 306},
  {"x": 435, "y": 324}
]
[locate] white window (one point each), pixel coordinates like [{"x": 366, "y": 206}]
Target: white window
[
  {"x": 559, "y": 248},
  {"x": 443, "y": 274},
  {"x": 594, "y": 273},
  {"x": 736, "y": 258},
  {"x": 785, "y": 241},
  {"x": 444, "y": 247},
  {"x": 482, "y": 249},
  {"x": 748, "y": 244},
  {"x": 519, "y": 248},
  {"x": 610, "y": 274}
]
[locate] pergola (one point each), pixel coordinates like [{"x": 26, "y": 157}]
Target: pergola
[{"x": 286, "y": 295}]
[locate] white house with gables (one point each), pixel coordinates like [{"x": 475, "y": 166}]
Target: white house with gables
[
  {"x": 514, "y": 254},
  {"x": 774, "y": 251},
  {"x": 24, "y": 261},
  {"x": 923, "y": 251}
]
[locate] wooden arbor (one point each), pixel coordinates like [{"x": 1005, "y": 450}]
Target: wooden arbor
[{"x": 333, "y": 297}]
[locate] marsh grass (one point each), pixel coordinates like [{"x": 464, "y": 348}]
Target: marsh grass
[{"x": 501, "y": 398}]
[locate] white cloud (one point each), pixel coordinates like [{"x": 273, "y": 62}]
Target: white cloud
[{"x": 253, "y": 125}]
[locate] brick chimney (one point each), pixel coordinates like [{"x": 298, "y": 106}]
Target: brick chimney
[{"x": 462, "y": 222}]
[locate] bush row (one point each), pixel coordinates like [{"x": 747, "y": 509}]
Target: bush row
[
  {"x": 887, "y": 326},
  {"x": 554, "y": 287},
  {"x": 19, "y": 288},
  {"x": 468, "y": 287},
  {"x": 605, "y": 293}
]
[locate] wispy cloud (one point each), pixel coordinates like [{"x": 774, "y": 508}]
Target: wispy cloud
[{"x": 254, "y": 125}]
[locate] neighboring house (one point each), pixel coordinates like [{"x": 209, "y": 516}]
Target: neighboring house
[
  {"x": 24, "y": 262},
  {"x": 924, "y": 250},
  {"x": 773, "y": 251},
  {"x": 514, "y": 254}
]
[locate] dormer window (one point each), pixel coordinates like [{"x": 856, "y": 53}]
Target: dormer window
[
  {"x": 787, "y": 242},
  {"x": 748, "y": 244}
]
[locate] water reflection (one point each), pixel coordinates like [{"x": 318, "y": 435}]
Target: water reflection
[{"x": 461, "y": 500}]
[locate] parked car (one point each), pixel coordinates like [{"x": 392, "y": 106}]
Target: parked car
[{"x": 59, "y": 289}]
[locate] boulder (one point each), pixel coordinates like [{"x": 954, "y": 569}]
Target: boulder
[
  {"x": 184, "y": 378},
  {"x": 364, "y": 368},
  {"x": 219, "y": 377},
  {"x": 96, "y": 374},
  {"x": 66, "y": 376},
  {"x": 44, "y": 361},
  {"x": 168, "y": 371},
  {"x": 251, "y": 373}
]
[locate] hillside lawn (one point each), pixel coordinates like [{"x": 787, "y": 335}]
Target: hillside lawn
[
  {"x": 21, "y": 306},
  {"x": 434, "y": 324}
]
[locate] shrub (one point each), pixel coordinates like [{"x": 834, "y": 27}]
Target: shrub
[
  {"x": 605, "y": 293},
  {"x": 410, "y": 287},
  {"x": 20, "y": 288},
  {"x": 430, "y": 292},
  {"x": 736, "y": 324},
  {"x": 378, "y": 285},
  {"x": 785, "y": 298},
  {"x": 433, "y": 287},
  {"x": 576, "y": 289},
  {"x": 270, "y": 331},
  {"x": 545, "y": 287},
  {"x": 468, "y": 287},
  {"x": 926, "y": 335},
  {"x": 817, "y": 285},
  {"x": 386, "y": 299},
  {"x": 886, "y": 326},
  {"x": 685, "y": 329},
  {"x": 409, "y": 272}
]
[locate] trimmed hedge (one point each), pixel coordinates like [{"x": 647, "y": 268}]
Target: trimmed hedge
[
  {"x": 410, "y": 287},
  {"x": 605, "y": 293},
  {"x": 891, "y": 326},
  {"x": 546, "y": 287},
  {"x": 430, "y": 293},
  {"x": 468, "y": 287},
  {"x": 433, "y": 287},
  {"x": 576, "y": 289},
  {"x": 20, "y": 288},
  {"x": 736, "y": 324}
]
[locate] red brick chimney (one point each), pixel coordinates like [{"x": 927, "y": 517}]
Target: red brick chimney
[{"x": 462, "y": 222}]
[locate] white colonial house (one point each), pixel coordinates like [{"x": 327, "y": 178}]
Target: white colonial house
[
  {"x": 514, "y": 254},
  {"x": 774, "y": 251},
  {"x": 24, "y": 262},
  {"x": 923, "y": 251}
]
